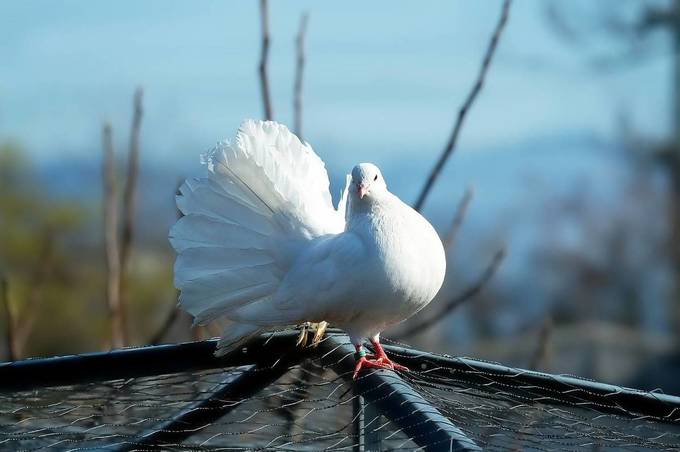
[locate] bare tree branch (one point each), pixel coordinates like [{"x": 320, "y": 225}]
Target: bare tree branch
[
  {"x": 264, "y": 81},
  {"x": 476, "y": 88},
  {"x": 25, "y": 321},
  {"x": 9, "y": 320},
  {"x": 110, "y": 206},
  {"x": 467, "y": 294},
  {"x": 165, "y": 327},
  {"x": 458, "y": 218},
  {"x": 131, "y": 179},
  {"x": 129, "y": 204},
  {"x": 299, "y": 71},
  {"x": 540, "y": 358},
  {"x": 581, "y": 26},
  {"x": 560, "y": 24}
]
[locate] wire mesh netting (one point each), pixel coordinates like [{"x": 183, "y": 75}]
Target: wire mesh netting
[
  {"x": 309, "y": 408},
  {"x": 314, "y": 405},
  {"x": 502, "y": 411}
]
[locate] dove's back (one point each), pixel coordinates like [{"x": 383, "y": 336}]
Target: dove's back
[{"x": 265, "y": 200}]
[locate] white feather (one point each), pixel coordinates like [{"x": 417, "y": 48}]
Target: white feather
[
  {"x": 235, "y": 335},
  {"x": 265, "y": 196}
]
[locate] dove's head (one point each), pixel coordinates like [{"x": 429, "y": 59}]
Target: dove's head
[{"x": 367, "y": 182}]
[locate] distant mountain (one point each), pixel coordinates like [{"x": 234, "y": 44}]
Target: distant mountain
[{"x": 504, "y": 180}]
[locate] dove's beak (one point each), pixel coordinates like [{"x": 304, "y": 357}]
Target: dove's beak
[{"x": 362, "y": 190}]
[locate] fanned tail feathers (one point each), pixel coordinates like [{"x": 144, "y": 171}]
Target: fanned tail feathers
[
  {"x": 265, "y": 196},
  {"x": 235, "y": 335}
]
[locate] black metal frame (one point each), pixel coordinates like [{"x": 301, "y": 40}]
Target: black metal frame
[
  {"x": 571, "y": 390},
  {"x": 426, "y": 426},
  {"x": 140, "y": 362},
  {"x": 233, "y": 391},
  {"x": 270, "y": 355}
]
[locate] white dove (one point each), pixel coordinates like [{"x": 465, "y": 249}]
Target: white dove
[{"x": 261, "y": 245}]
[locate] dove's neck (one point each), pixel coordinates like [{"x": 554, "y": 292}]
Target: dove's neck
[
  {"x": 357, "y": 208},
  {"x": 365, "y": 213}
]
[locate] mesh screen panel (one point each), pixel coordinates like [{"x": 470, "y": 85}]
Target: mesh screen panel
[
  {"x": 508, "y": 420},
  {"x": 309, "y": 408},
  {"x": 314, "y": 406}
]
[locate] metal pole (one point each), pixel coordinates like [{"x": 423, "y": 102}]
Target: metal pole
[
  {"x": 373, "y": 437},
  {"x": 156, "y": 360},
  {"x": 396, "y": 400},
  {"x": 139, "y": 362},
  {"x": 233, "y": 391},
  {"x": 358, "y": 420},
  {"x": 566, "y": 389}
]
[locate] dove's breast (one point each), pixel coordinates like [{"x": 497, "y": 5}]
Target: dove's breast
[{"x": 408, "y": 261}]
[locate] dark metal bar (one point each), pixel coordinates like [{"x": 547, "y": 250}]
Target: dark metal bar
[
  {"x": 565, "y": 389},
  {"x": 234, "y": 391},
  {"x": 157, "y": 360},
  {"x": 358, "y": 422},
  {"x": 138, "y": 362},
  {"x": 421, "y": 421},
  {"x": 371, "y": 420},
  {"x": 366, "y": 419}
]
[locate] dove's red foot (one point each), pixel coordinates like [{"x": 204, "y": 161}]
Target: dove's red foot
[
  {"x": 377, "y": 361},
  {"x": 365, "y": 363}
]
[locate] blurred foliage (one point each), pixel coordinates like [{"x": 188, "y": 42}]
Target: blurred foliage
[{"x": 56, "y": 277}]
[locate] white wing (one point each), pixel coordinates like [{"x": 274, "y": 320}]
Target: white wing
[
  {"x": 284, "y": 173},
  {"x": 266, "y": 199},
  {"x": 317, "y": 286}
]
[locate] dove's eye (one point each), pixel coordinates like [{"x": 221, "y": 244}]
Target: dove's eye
[{"x": 375, "y": 178}]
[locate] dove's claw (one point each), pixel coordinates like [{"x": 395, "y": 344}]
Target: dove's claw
[
  {"x": 302, "y": 338},
  {"x": 320, "y": 331},
  {"x": 365, "y": 363},
  {"x": 377, "y": 361},
  {"x": 388, "y": 363},
  {"x": 306, "y": 329},
  {"x": 396, "y": 366}
]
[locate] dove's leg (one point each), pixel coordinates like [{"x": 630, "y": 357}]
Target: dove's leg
[
  {"x": 377, "y": 361},
  {"x": 381, "y": 356},
  {"x": 366, "y": 363}
]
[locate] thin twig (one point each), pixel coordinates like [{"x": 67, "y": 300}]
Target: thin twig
[
  {"x": 129, "y": 203},
  {"x": 25, "y": 321},
  {"x": 540, "y": 358},
  {"x": 458, "y": 218},
  {"x": 299, "y": 71},
  {"x": 131, "y": 180},
  {"x": 111, "y": 237},
  {"x": 9, "y": 320},
  {"x": 467, "y": 294},
  {"x": 165, "y": 327},
  {"x": 476, "y": 88},
  {"x": 264, "y": 81}
]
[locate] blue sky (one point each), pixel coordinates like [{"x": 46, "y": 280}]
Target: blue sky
[{"x": 383, "y": 80}]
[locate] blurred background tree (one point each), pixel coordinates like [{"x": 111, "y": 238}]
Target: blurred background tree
[
  {"x": 36, "y": 257},
  {"x": 52, "y": 260},
  {"x": 615, "y": 36}
]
